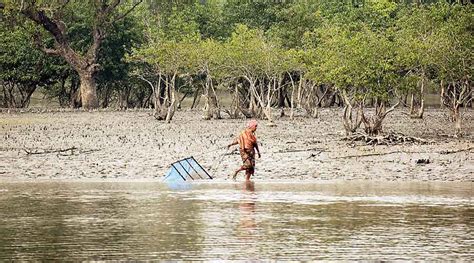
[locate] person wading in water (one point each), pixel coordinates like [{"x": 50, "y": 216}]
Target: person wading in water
[{"x": 248, "y": 144}]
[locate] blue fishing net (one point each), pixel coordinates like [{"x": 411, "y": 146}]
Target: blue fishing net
[{"x": 186, "y": 170}]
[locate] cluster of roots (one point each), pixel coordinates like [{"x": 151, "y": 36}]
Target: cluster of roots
[{"x": 385, "y": 139}]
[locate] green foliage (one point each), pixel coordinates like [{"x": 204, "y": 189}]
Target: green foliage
[
  {"x": 259, "y": 14},
  {"x": 168, "y": 57},
  {"x": 121, "y": 40},
  {"x": 415, "y": 42},
  {"x": 359, "y": 61},
  {"x": 370, "y": 47},
  {"x": 295, "y": 21},
  {"x": 453, "y": 48},
  {"x": 20, "y": 62},
  {"x": 211, "y": 20}
]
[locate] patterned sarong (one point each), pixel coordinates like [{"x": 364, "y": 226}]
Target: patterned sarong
[{"x": 248, "y": 159}]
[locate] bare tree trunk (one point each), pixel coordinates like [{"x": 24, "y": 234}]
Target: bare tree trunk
[
  {"x": 252, "y": 105},
  {"x": 300, "y": 92},
  {"x": 88, "y": 91},
  {"x": 172, "y": 99},
  {"x": 292, "y": 101},
  {"x": 405, "y": 99},
  {"x": 172, "y": 107},
  {"x": 26, "y": 99},
  {"x": 351, "y": 124},
  {"x": 161, "y": 98},
  {"x": 157, "y": 99},
  {"x": 453, "y": 96},
  {"x": 373, "y": 124},
  {"x": 312, "y": 101},
  {"x": 412, "y": 104},
  {"x": 159, "y": 113},
  {"x": 182, "y": 99},
  {"x": 211, "y": 107},
  {"x": 263, "y": 100},
  {"x": 421, "y": 105},
  {"x": 195, "y": 97},
  {"x": 207, "y": 104},
  {"x": 17, "y": 95},
  {"x": 270, "y": 92},
  {"x": 458, "y": 121},
  {"x": 215, "y": 103},
  {"x": 235, "y": 107}
]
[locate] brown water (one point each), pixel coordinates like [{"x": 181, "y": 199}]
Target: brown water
[{"x": 214, "y": 221}]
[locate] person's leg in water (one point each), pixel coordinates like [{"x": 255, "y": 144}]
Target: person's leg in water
[
  {"x": 247, "y": 176},
  {"x": 248, "y": 173},
  {"x": 245, "y": 163},
  {"x": 237, "y": 171},
  {"x": 250, "y": 165}
]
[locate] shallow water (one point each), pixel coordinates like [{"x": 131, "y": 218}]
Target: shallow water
[{"x": 223, "y": 220}]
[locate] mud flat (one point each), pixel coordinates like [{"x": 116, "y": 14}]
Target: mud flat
[{"x": 132, "y": 145}]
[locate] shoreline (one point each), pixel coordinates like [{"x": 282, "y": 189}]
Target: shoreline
[
  {"x": 223, "y": 182},
  {"x": 130, "y": 145}
]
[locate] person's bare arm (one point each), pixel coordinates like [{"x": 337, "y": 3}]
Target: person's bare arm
[
  {"x": 258, "y": 151},
  {"x": 234, "y": 142}
]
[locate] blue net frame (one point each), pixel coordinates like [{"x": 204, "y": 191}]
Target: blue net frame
[{"x": 187, "y": 169}]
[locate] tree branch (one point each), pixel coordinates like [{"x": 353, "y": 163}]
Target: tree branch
[
  {"x": 98, "y": 33},
  {"x": 391, "y": 109},
  {"x": 366, "y": 155},
  {"x": 39, "y": 44},
  {"x": 147, "y": 81},
  {"x": 29, "y": 152},
  {"x": 98, "y": 36},
  {"x": 120, "y": 17},
  {"x": 40, "y": 18}
]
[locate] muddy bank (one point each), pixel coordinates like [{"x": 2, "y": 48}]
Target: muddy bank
[{"x": 132, "y": 145}]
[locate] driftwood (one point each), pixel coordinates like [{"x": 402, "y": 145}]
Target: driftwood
[
  {"x": 419, "y": 161},
  {"x": 387, "y": 139},
  {"x": 301, "y": 150},
  {"x": 71, "y": 150},
  {"x": 456, "y": 151},
  {"x": 366, "y": 155}
]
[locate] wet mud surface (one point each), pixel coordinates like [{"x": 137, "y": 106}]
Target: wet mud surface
[{"x": 133, "y": 145}]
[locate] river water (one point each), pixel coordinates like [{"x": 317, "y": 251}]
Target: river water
[{"x": 225, "y": 221}]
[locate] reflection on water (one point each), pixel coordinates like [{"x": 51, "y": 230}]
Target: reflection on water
[
  {"x": 339, "y": 221},
  {"x": 247, "y": 224}
]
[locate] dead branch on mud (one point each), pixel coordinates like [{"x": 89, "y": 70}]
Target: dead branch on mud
[
  {"x": 393, "y": 152},
  {"x": 71, "y": 150},
  {"x": 301, "y": 150},
  {"x": 457, "y": 151},
  {"x": 387, "y": 139},
  {"x": 366, "y": 155}
]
